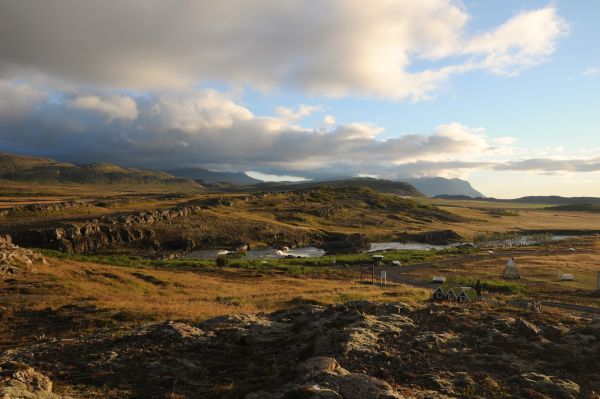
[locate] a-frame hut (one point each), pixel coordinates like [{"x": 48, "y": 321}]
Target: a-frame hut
[
  {"x": 440, "y": 293},
  {"x": 511, "y": 271},
  {"x": 452, "y": 293},
  {"x": 467, "y": 294}
]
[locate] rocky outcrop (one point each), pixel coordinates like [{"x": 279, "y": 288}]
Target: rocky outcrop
[
  {"x": 439, "y": 237},
  {"x": 133, "y": 229},
  {"x": 324, "y": 378},
  {"x": 85, "y": 237},
  {"x": 14, "y": 259},
  {"x": 356, "y": 350},
  {"x": 341, "y": 243},
  {"x": 43, "y": 207},
  {"x": 19, "y": 381},
  {"x": 554, "y": 387}
]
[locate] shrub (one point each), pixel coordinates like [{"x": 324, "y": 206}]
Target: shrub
[{"x": 222, "y": 261}]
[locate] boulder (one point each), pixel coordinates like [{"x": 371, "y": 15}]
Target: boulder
[
  {"x": 531, "y": 306},
  {"x": 552, "y": 386},
  {"x": 19, "y": 381},
  {"x": 324, "y": 378},
  {"x": 176, "y": 331},
  {"x": 14, "y": 258},
  {"x": 525, "y": 329}
]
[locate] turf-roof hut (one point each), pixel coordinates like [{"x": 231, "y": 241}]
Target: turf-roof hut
[
  {"x": 467, "y": 294},
  {"x": 454, "y": 294},
  {"x": 440, "y": 293},
  {"x": 511, "y": 271}
]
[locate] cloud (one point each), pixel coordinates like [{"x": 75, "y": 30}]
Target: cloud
[
  {"x": 507, "y": 141},
  {"x": 292, "y": 115},
  {"x": 113, "y": 107},
  {"x": 331, "y": 47},
  {"x": 193, "y": 111},
  {"x": 329, "y": 120},
  {"x": 18, "y": 100},
  {"x": 592, "y": 71},
  {"x": 524, "y": 40},
  {"x": 207, "y": 128},
  {"x": 552, "y": 165}
]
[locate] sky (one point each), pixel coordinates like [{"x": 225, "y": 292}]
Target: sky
[{"x": 503, "y": 94}]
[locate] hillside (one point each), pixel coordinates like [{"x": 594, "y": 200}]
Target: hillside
[
  {"x": 434, "y": 186},
  {"x": 379, "y": 185},
  {"x": 209, "y": 176},
  {"x": 576, "y": 208},
  {"x": 20, "y": 168},
  {"x": 542, "y": 200}
]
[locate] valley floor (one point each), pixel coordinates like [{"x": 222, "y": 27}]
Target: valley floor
[{"x": 107, "y": 331}]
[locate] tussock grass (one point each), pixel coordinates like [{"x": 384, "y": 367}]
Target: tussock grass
[{"x": 123, "y": 293}]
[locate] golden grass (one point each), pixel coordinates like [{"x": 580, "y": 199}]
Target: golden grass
[
  {"x": 375, "y": 223},
  {"x": 191, "y": 295},
  {"x": 539, "y": 272}
]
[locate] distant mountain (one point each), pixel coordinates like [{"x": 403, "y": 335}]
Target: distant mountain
[
  {"x": 43, "y": 170},
  {"x": 209, "y": 176},
  {"x": 434, "y": 186},
  {"x": 380, "y": 185}
]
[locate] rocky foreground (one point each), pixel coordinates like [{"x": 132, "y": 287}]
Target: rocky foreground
[{"x": 359, "y": 350}]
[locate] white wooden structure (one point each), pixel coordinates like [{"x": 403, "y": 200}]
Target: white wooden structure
[
  {"x": 511, "y": 271},
  {"x": 438, "y": 280},
  {"x": 566, "y": 277}
]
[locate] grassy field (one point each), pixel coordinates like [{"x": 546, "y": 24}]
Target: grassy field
[
  {"x": 142, "y": 293},
  {"x": 539, "y": 271}
]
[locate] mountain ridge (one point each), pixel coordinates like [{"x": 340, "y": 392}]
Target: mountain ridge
[{"x": 25, "y": 168}]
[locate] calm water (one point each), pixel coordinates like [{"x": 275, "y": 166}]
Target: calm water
[
  {"x": 259, "y": 253},
  {"x": 312, "y": 252},
  {"x": 386, "y": 246}
]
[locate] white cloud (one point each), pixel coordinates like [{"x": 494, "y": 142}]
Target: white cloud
[
  {"x": 207, "y": 128},
  {"x": 195, "y": 111},
  {"x": 330, "y": 47},
  {"x": 292, "y": 115},
  {"x": 113, "y": 107},
  {"x": 592, "y": 71},
  {"x": 329, "y": 120},
  {"x": 18, "y": 99},
  {"x": 505, "y": 141},
  {"x": 524, "y": 40}
]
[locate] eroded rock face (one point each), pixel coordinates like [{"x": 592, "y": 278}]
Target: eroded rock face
[{"x": 14, "y": 258}]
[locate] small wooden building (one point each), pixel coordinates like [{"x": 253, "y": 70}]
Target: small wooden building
[{"x": 454, "y": 294}]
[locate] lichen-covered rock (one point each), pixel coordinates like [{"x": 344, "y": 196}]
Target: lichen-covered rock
[
  {"x": 176, "y": 330},
  {"x": 553, "y": 386},
  {"x": 526, "y": 329},
  {"x": 323, "y": 377},
  {"x": 14, "y": 258},
  {"x": 19, "y": 381}
]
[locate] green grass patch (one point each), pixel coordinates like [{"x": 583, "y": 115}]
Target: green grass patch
[{"x": 490, "y": 285}]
